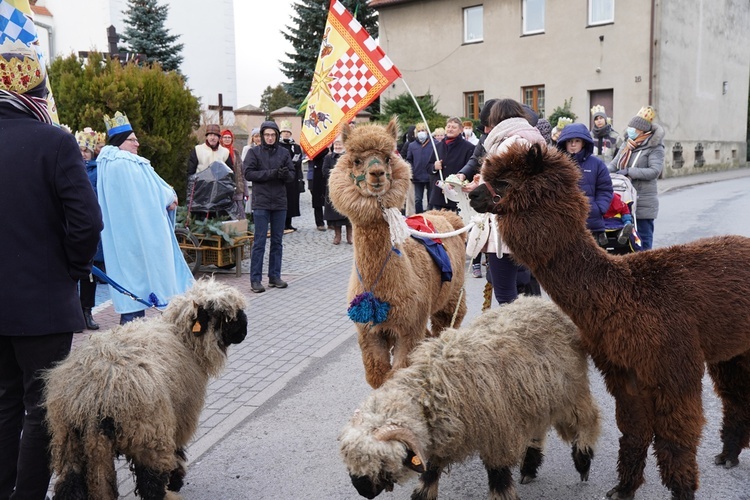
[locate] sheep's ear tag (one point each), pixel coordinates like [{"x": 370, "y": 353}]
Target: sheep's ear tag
[
  {"x": 197, "y": 327},
  {"x": 413, "y": 462}
]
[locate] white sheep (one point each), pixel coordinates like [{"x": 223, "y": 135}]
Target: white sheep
[
  {"x": 494, "y": 387},
  {"x": 138, "y": 390}
]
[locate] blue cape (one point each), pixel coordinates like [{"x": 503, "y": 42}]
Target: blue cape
[{"x": 140, "y": 249}]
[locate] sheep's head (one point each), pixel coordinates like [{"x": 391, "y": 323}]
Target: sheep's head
[
  {"x": 370, "y": 175},
  {"x": 378, "y": 458},
  {"x": 209, "y": 317}
]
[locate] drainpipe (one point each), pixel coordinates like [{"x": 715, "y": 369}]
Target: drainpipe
[
  {"x": 651, "y": 55},
  {"x": 51, "y": 32}
]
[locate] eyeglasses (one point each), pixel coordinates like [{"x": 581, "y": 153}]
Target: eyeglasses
[{"x": 132, "y": 140}]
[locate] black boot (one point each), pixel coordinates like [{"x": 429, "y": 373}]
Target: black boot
[{"x": 90, "y": 323}]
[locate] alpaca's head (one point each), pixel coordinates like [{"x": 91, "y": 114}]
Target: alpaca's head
[
  {"x": 379, "y": 455},
  {"x": 370, "y": 175},
  {"x": 209, "y": 317},
  {"x": 536, "y": 194}
]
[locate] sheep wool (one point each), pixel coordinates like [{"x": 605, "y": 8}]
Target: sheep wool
[
  {"x": 138, "y": 390},
  {"x": 494, "y": 387}
]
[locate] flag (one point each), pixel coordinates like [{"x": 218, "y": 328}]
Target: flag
[
  {"x": 18, "y": 31},
  {"x": 351, "y": 72}
]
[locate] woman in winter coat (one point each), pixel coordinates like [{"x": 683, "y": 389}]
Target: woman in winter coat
[
  {"x": 575, "y": 139},
  {"x": 421, "y": 156},
  {"x": 641, "y": 159},
  {"x": 335, "y": 219}
]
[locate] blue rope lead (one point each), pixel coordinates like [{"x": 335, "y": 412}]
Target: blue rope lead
[{"x": 153, "y": 300}]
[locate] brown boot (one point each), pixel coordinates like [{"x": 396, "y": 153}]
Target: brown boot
[
  {"x": 337, "y": 235},
  {"x": 349, "y": 233}
]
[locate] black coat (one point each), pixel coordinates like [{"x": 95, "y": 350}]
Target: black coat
[
  {"x": 329, "y": 212},
  {"x": 318, "y": 184},
  {"x": 293, "y": 188},
  {"x": 261, "y": 166},
  {"x": 454, "y": 156},
  {"x": 51, "y": 229}
]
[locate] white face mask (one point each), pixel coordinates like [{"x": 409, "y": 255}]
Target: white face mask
[
  {"x": 422, "y": 136},
  {"x": 467, "y": 132}
]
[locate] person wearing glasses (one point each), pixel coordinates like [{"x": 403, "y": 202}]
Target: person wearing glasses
[
  {"x": 138, "y": 210},
  {"x": 269, "y": 167}
]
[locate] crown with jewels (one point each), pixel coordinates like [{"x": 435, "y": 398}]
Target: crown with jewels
[
  {"x": 20, "y": 70},
  {"x": 598, "y": 110},
  {"x": 117, "y": 124},
  {"x": 562, "y": 121},
  {"x": 647, "y": 113},
  {"x": 87, "y": 138}
]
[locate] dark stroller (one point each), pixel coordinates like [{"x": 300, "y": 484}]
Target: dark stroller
[{"x": 619, "y": 221}]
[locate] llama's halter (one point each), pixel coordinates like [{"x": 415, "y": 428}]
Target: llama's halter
[{"x": 358, "y": 179}]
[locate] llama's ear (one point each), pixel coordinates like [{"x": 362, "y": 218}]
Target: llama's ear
[
  {"x": 345, "y": 131},
  {"x": 202, "y": 320},
  {"x": 535, "y": 159},
  {"x": 392, "y": 127},
  {"x": 413, "y": 462}
]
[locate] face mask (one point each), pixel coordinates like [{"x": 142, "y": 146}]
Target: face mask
[
  {"x": 632, "y": 133},
  {"x": 467, "y": 132},
  {"x": 422, "y": 136}
]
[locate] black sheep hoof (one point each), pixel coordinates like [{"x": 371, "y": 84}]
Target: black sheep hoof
[{"x": 616, "y": 495}]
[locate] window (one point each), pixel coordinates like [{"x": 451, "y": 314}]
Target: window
[
  {"x": 473, "y": 27},
  {"x": 533, "y": 16},
  {"x": 534, "y": 98},
  {"x": 473, "y": 102},
  {"x": 601, "y": 11}
]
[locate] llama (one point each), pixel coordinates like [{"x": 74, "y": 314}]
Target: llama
[
  {"x": 650, "y": 320},
  {"x": 138, "y": 391},
  {"x": 494, "y": 387},
  {"x": 368, "y": 180}
]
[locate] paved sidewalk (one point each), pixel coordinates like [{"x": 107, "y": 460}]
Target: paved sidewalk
[{"x": 290, "y": 328}]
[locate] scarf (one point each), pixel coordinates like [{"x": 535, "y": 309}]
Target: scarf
[
  {"x": 630, "y": 145},
  {"x": 34, "y": 106}
]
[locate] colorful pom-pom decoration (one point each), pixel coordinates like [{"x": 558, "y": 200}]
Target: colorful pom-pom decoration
[{"x": 366, "y": 308}]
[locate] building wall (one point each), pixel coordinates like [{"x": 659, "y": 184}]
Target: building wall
[
  {"x": 207, "y": 35},
  {"x": 693, "y": 49}
]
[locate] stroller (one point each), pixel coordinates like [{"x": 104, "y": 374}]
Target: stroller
[{"x": 622, "y": 237}]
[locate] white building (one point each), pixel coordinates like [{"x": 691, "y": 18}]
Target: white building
[{"x": 205, "y": 28}]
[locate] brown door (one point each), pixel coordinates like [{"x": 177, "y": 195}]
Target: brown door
[{"x": 605, "y": 97}]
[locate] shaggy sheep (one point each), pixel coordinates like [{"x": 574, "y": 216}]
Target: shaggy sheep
[
  {"x": 138, "y": 391},
  {"x": 369, "y": 179},
  {"x": 650, "y": 320},
  {"x": 494, "y": 387}
]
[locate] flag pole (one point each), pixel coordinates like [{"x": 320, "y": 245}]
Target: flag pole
[{"x": 434, "y": 148}]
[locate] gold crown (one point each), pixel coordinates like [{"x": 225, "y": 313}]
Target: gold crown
[
  {"x": 285, "y": 125},
  {"x": 598, "y": 109},
  {"x": 562, "y": 121},
  {"x": 116, "y": 124},
  {"x": 86, "y": 138},
  {"x": 647, "y": 113},
  {"x": 101, "y": 138},
  {"x": 20, "y": 72}
]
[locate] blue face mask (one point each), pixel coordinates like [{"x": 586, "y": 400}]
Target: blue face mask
[
  {"x": 632, "y": 133},
  {"x": 422, "y": 136}
]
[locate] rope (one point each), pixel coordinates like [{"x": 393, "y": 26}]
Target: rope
[
  {"x": 153, "y": 299},
  {"x": 487, "y": 296}
]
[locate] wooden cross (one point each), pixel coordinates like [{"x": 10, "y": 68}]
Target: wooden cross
[{"x": 221, "y": 109}]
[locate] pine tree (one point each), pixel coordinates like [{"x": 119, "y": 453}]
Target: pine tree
[
  {"x": 306, "y": 36},
  {"x": 145, "y": 34},
  {"x": 274, "y": 98}
]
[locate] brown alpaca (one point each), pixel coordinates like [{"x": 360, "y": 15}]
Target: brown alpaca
[
  {"x": 369, "y": 178},
  {"x": 650, "y": 320}
]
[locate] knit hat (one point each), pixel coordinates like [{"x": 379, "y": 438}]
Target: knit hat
[
  {"x": 285, "y": 126},
  {"x": 545, "y": 129},
  {"x": 598, "y": 110},
  {"x": 255, "y": 131},
  {"x": 213, "y": 129},
  {"x": 642, "y": 121}
]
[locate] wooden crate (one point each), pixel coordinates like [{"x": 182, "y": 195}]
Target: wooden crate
[{"x": 216, "y": 251}]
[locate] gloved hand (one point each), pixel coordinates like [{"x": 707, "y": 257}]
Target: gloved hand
[
  {"x": 624, "y": 171},
  {"x": 627, "y": 219},
  {"x": 282, "y": 173}
]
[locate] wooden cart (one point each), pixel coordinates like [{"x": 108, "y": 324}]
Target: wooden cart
[{"x": 204, "y": 250}]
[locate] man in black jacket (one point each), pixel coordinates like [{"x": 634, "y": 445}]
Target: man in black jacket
[
  {"x": 49, "y": 241},
  {"x": 269, "y": 167}
]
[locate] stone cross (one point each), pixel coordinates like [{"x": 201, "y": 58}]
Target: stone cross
[{"x": 221, "y": 108}]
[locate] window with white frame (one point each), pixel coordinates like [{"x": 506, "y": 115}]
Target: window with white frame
[
  {"x": 533, "y": 16},
  {"x": 473, "y": 24},
  {"x": 601, "y": 11}
]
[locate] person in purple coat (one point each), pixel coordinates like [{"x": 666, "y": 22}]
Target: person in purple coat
[{"x": 596, "y": 183}]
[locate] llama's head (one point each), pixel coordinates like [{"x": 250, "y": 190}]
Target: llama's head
[
  {"x": 535, "y": 192},
  {"x": 208, "y": 318},
  {"x": 371, "y": 175},
  {"x": 379, "y": 455}
]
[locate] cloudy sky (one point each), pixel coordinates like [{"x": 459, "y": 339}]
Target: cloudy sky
[{"x": 260, "y": 46}]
